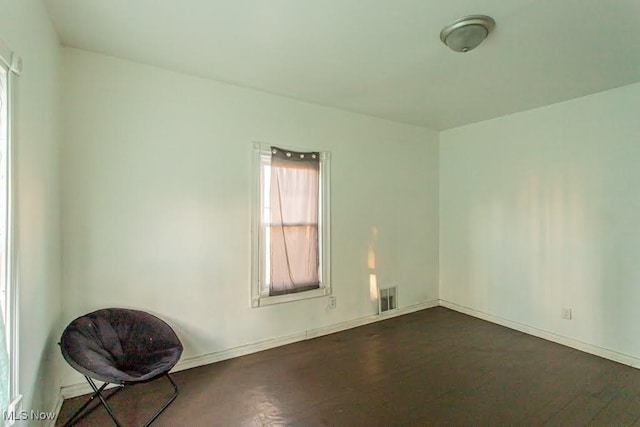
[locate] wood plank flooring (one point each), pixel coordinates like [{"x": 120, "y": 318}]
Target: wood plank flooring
[{"x": 433, "y": 367}]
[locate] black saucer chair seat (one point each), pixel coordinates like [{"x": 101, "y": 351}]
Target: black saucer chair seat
[{"x": 122, "y": 347}]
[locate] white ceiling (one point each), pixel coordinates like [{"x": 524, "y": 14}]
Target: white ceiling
[{"x": 378, "y": 57}]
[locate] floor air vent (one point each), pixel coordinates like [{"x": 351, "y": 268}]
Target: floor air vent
[{"x": 387, "y": 299}]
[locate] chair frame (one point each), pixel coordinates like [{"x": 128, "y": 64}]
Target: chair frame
[{"x": 97, "y": 392}]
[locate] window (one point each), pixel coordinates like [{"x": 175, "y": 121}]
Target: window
[
  {"x": 290, "y": 225},
  {"x": 9, "y": 396}
]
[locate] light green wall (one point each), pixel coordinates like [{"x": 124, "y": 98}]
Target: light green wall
[
  {"x": 26, "y": 28},
  {"x": 157, "y": 198},
  {"x": 541, "y": 210},
  {"x": 533, "y": 211}
]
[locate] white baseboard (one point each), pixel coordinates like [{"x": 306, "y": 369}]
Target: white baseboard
[
  {"x": 549, "y": 336},
  {"x": 79, "y": 389},
  {"x": 57, "y": 405}
]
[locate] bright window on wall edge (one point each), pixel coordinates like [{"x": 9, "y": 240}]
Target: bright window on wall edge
[
  {"x": 10, "y": 67},
  {"x": 290, "y": 224}
]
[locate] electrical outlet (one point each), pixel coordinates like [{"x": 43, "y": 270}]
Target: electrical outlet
[
  {"x": 332, "y": 302},
  {"x": 567, "y": 313}
]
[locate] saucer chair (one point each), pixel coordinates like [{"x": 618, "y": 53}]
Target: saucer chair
[{"x": 122, "y": 347}]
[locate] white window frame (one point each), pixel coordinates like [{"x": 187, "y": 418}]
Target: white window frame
[
  {"x": 12, "y": 65},
  {"x": 259, "y": 290}
]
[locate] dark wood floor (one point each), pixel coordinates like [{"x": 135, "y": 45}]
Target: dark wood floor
[{"x": 433, "y": 367}]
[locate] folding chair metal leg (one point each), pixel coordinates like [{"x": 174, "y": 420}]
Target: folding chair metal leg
[
  {"x": 166, "y": 405},
  {"x": 104, "y": 402},
  {"x": 97, "y": 392}
]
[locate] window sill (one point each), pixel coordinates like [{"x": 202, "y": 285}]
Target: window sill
[{"x": 279, "y": 299}]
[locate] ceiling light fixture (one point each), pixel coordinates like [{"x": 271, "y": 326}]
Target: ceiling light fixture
[{"x": 465, "y": 34}]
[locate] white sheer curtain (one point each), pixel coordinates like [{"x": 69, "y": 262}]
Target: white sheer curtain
[
  {"x": 10, "y": 68},
  {"x": 4, "y": 370},
  {"x": 294, "y": 198},
  {"x": 4, "y": 130}
]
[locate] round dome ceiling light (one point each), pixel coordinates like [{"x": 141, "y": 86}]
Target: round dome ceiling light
[{"x": 465, "y": 34}]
